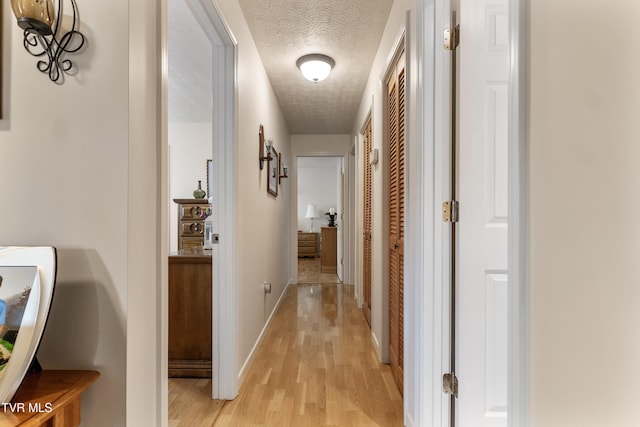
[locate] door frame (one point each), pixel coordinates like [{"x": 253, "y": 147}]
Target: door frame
[
  {"x": 224, "y": 308},
  {"x": 426, "y": 307},
  {"x": 347, "y": 231},
  {"x": 518, "y": 364}
]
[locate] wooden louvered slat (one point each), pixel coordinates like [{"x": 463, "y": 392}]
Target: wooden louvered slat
[
  {"x": 401, "y": 150},
  {"x": 401, "y": 315},
  {"x": 392, "y": 155},
  {"x": 367, "y": 222},
  {"x": 401, "y": 198},
  {"x": 396, "y": 158}
]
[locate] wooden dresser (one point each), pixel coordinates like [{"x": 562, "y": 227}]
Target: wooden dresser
[
  {"x": 329, "y": 262},
  {"x": 308, "y": 245},
  {"x": 190, "y": 313},
  {"x": 190, "y": 222}
]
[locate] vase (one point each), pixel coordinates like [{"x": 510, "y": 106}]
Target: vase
[{"x": 199, "y": 193}]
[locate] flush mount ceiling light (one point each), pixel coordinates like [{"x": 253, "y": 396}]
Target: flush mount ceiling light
[{"x": 315, "y": 67}]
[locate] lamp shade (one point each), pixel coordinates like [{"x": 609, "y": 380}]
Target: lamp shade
[
  {"x": 315, "y": 67},
  {"x": 311, "y": 211}
]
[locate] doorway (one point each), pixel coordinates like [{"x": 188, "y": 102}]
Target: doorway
[
  {"x": 216, "y": 132},
  {"x": 320, "y": 209},
  {"x": 508, "y": 335}
]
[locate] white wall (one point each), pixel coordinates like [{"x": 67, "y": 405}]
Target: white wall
[
  {"x": 263, "y": 221},
  {"x": 64, "y": 182},
  {"x": 372, "y": 102},
  {"x": 584, "y": 105},
  {"x": 317, "y": 184}
]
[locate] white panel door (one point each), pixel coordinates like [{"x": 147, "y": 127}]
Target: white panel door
[{"x": 483, "y": 64}]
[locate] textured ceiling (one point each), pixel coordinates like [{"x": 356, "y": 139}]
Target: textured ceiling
[
  {"x": 189, "y": 66},
  {"x": 349, "y": 31}
]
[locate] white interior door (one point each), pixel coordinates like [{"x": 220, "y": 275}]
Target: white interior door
[{"x": 483, "y": 65}]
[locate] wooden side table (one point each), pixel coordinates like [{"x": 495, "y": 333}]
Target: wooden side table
[
  {"x": 48, "y": 399},
  {"x": 329, "y": 243}
]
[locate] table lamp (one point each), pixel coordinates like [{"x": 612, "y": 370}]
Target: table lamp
[{"x": 311, "y": 214}]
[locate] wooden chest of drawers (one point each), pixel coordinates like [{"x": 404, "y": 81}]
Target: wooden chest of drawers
[
  {"x": 308, "y": 245},
  {"x": 190, "y": 222}
]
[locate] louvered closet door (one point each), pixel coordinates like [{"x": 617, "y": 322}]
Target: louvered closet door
[
  {"x": 395, "y": 155},
  {"x": 366, "y": 252}
]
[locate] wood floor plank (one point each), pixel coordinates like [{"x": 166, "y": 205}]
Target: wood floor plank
[{"x": 315, "y": 367}]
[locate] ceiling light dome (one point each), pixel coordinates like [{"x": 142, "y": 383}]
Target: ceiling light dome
[{"x": 315, "y": 67}]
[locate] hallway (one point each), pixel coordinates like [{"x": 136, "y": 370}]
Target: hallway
[{"x": 315, "y": 367}]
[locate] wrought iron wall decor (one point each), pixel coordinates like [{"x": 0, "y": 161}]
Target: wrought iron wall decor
[
  {"x": 45, "y": 37},
  {"x": 283, "y": 168}
]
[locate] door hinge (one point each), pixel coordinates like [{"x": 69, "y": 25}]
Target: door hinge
[
  {"x": 450, "y": 211},
  {"x": 450, "y": 384},
  {"x": 452, "y": 38}
]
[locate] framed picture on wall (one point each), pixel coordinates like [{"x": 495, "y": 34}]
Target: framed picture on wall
[
  {"x": 274, "y": 173},
  {"x": 209, "y": 177},
  {"x": 27, "y": 279}
]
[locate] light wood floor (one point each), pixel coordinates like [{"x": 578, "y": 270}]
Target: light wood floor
[
  {"x": 315, "y": 367},
  {"x": 309, "y": 272}
]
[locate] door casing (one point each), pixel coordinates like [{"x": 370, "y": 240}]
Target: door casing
[
  {"x": 426, "y": 316},
  {"x": 224, "y": 307}
]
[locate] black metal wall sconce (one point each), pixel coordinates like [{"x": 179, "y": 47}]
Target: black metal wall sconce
[
  {"x": 44, "y": 36},
  {"x": 261, "y": 157},
  {"x": 285, "y": 169}
]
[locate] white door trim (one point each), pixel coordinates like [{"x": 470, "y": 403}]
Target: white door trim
[
  {"x": 347, "y": 232},
  {"x": 417, "y": 378},
  {"x": 146, "y": 324},
  {"x": 224, "y": 307},
  {"x": 427, "y": 312},
  {"x": 518, "y": 333}
]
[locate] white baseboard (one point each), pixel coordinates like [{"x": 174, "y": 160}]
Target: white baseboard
[
  {"x": 408, "y": 421},
  {"x": 245, "y": 365},
  {"x": 376, "y": 343}
]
